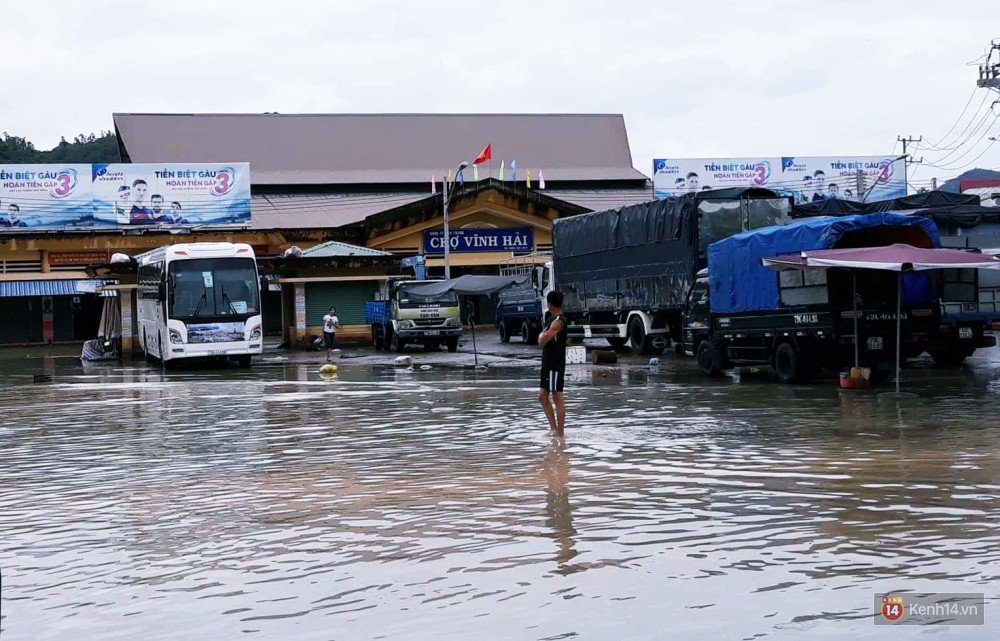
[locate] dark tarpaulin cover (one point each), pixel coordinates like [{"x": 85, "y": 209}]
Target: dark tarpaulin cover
[
  {"x": 735, "y": 193},
  {"x": 961, "y": 216},
  {"x": 738, "y": 281},
  {"x": 838, "y": 207},
  {"x": 469, "y": 285},
  {"x": 636, "y": 256}
]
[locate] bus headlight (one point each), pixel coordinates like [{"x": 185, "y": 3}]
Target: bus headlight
[
  {"x": 406, "y": 324},
  {"x": 255, "y": 333},
  {"x": 454, "y": 321},
  {"x": 175, "y": 337}
]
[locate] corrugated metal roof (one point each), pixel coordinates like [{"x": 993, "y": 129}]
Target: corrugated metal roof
[
  {"x": 601, "y": 199},
  {"x": 317, "y": 149},
  {"x": 11, "y": 288},
  {"x": 334, "y": 249},
  {"x": 323, "y": 211}
]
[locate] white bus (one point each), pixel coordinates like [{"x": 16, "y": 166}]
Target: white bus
[{"x": 199, "y": 301}]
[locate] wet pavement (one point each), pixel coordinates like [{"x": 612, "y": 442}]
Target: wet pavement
[{"x": 412, "y": 503}]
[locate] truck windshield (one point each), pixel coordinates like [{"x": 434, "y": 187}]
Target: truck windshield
[
  {"x": 409, "y": 299},
  {"x": 212, "y": 287}
]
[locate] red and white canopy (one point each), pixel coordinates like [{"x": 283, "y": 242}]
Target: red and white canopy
[{"x": 897, "y": 258}]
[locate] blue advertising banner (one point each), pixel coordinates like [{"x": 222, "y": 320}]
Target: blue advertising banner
[
  {"x": 520, "y": 239},
  {"x": 805, "y": 178},
  {"x": 118, "y": 195},
  {"x": 45, "y": 196},
  {"x": 171, "y": 195}
]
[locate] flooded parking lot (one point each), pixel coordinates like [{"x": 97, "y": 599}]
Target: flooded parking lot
[{"x": 416, "y": 504}]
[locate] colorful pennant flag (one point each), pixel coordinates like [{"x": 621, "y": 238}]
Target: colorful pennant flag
[
  {"x": 541, "y": 179},
  {"x": 484, "y": 155},
  {"x": 434, "y": 186},
  {"x": 527, "y": 178},
  {"x": 501, "y": 170},
  {"x": 513, "y": 170},
  {"x": 461, "y": 176},
  {"x": 475, "y": 173}
]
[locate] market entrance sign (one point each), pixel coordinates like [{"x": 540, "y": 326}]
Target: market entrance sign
[{"x": 520, "y": 239}]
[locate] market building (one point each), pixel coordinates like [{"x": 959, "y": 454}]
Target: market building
[{"x": 371, "y": 181}]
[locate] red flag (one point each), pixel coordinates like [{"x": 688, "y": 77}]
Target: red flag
[{"x": 484, "y": 155}]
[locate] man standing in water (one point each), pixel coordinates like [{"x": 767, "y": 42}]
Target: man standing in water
[{"x": 553, "y": 343}]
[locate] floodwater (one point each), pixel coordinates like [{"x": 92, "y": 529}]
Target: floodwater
[{"x": 393, "y": 504}]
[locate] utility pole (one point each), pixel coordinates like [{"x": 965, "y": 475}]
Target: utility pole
[
  {"x": 447, "y": 240},
  {"x": 906, "y": 157},
  {"x": 989, "y": 71}
]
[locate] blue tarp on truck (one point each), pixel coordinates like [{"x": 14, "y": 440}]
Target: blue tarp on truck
[{"x": 739, "y": 283}]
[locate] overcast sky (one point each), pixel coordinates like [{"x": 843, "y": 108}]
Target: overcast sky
[{"x": 693, "y": 79}]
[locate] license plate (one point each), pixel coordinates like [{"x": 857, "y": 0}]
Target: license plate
[
  {"x": 433, "y": 332},
  {"x": 965, "y": 332},
  {"x": 216, "y": 352},
  {"x": 875, "y": 343}
]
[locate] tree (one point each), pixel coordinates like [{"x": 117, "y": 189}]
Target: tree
[{"x": 85, "y": 148}]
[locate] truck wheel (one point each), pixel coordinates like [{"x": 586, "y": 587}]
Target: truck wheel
[
  {"x": 244, "y": 361},
  {"x": 504, "y": 332},
  {"x": 528, "y": 334},
  {"x": 709, "y": 359},
  {"x": 786, "y": 363},
  {"x": 637, "y": 338},
  {"x": 452, "y": 344},
  {"x": 396, "y": 344},
  {"x": 376, "y": 337},
  {"x": 948, "y": 358},
  {"x": 617, "y": 342}
]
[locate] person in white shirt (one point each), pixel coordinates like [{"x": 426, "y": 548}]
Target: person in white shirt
[{"x": 330, "y": 325}]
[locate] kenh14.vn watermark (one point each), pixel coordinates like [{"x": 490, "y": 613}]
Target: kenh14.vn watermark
[{"x": 941, "y": 608}]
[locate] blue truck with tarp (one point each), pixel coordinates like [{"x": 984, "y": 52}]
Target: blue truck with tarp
[
  {"x": 742, "y": 313},
  {"x": 970, "y": 299}
]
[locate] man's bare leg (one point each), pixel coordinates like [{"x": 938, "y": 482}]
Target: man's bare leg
[
  {"x": 560, "y": 428},
  {"x": 543, "y": 398}
]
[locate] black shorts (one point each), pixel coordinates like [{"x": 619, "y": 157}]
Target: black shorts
[
  {"x": 328, "y": 337},
  {"x": 552, "y": 379}
]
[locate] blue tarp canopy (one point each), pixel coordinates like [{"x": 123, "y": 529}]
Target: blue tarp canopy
[{"x": 740, "y": 283}]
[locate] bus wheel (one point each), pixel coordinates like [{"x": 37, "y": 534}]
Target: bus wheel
[
  {"x": 709, "y": 359},
  {"x": 786, "y": 363}
]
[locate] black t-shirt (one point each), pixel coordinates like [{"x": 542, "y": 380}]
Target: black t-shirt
[{"x": 554, "y": 352}]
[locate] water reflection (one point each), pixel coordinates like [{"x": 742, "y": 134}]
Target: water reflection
[{"x": 558, "y": 509}]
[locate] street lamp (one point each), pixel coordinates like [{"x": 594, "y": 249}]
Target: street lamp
[{"x": 447, "y": 241}]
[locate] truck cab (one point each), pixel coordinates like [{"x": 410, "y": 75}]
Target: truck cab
[
  {"x": 697, "y": 313},
  {"x": 520, "y": 309},
  {"x": 402, "y": 317}
]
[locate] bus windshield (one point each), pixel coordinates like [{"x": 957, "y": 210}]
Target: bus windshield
[
  {"x": 409, "y": 299},
  {"x": 212, "y": 287}
]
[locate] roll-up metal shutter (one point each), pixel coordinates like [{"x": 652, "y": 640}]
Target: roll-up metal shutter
[{"x": 347, "y": 296}]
